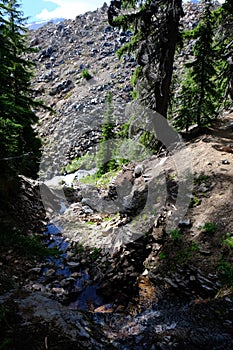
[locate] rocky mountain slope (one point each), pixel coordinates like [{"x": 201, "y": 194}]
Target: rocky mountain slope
[{"x": 67, "y": 51}]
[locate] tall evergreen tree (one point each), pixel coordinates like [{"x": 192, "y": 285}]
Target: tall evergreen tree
[
  {"x": 155, "y": 25},
  {"x": 105, "y": 156},
  {"x": 200, "y": 94},
  {"x": 19, "y": 142},
  {"x": 223, "y": 24}
]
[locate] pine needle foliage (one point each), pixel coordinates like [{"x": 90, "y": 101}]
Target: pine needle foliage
[
  {"x": 20, "y": 145},
  {"x": 223, "y": 25},
  {"x": 200, "y": 95},
  {"x": 155, "y": 28},
  {"x": 105, "y": 155}
]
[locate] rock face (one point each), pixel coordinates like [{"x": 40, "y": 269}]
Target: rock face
[
  {"x": 22, "y": 206},
  {"x": 26, "y": 209},
  {"x": 31, "y": 209}
]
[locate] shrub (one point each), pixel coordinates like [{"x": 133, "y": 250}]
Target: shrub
[
  {"x": 175, "y": 234},
  {"x": 162, "y": 256},
  {"x": 86, "y": 75},
  {"x": 226, "y": 270},
  {"x": 209, "y": 227},
  {"x": 228, "y": 240}
]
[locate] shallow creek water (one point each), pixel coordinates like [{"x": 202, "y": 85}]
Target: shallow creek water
[
  {"x": 82, "y": 291},
  {"x": 170, "y": 323}
]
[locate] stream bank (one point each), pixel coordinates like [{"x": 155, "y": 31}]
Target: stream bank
[{"x": 156, "y": 292}]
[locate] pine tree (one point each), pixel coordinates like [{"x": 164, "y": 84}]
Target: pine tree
[
  {"x": 19, "y": 140},
  {"x": 200, "y": 94},
  {"x": 223, "y": 24},
  {"x": 105, "y": 155},
  {"x": 155, "y": 26}
]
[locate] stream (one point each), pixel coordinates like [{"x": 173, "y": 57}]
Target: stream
[
  {"x": 158, "y": 320},
  {"x": 170, "y": 322},
  {"x": 66, "y": 278}
]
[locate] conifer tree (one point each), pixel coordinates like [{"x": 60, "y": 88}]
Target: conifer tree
[
  {"x": 200, "y": 94},
  {"x": 105, "y": 156},
  {"x": 223, "y": 25},
  {"x": 19, "y": 141},
  {"x": 155, "y": 26}
]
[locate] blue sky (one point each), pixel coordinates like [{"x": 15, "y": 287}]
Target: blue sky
[{"x": 39, "y": 10}]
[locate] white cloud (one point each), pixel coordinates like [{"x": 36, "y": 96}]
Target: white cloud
[
  {"x": 72, "y": 8},
  {"x": 69, "y": 8}
]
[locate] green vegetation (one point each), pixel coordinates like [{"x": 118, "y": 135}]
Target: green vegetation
[
  {"x": 223, "y": 24},
  {"x": 150, "y": 142},
  {"x": 91, "y": 223},
  {"x": 6, "y": 315},
  {"x": 27, "y": 246},
  {"x": 228, "y": 240},
  {"x": 162, "y": 256},
  {"x": 79, "y": 249},
  {"x": 154, "y": 40},
  {"x": 100, "y": 180},
  {"x": 200, "y": 95},
  {"x": 19, "y": 145},
  {"x": 195, "y": 247},
  {"x": 183, "y": 256},
  {"x": 201, "y": 178},
  {"x": 106, "y": 219},
  {"x": 195, "y": 201},
  {"x": 209, "y": 227},
  {"x": 85, "y": 74},
  {"x": 226, "y": 272},
  {"x": 197, "y": 196},
  {"x": 95, "y": 254},
  {"x": 202, "y": 89},
  {"x": 105, "y": 156},
  {"x": 175, "y": 234},
  {"x": 87, "y": 161}
]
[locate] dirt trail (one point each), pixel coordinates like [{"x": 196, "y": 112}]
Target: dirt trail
[{"x": 212, "y": 157}]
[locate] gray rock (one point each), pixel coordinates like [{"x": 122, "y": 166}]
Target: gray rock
[{"x": 225, "y": 162}]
